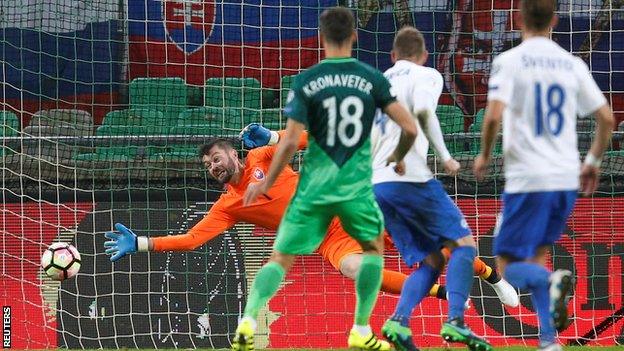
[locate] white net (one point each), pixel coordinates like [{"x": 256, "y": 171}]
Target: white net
[{"x": 105, "y": 102}]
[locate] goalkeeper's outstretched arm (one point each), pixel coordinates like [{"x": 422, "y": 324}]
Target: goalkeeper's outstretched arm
[{"x": 123, "y": 241}]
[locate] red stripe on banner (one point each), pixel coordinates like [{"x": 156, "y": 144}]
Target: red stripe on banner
[{"x": 267, "y": 62}]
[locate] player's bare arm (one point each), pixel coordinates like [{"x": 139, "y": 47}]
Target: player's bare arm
[
  {"x": 491, "y": 125},
  {"x": 402, "y": 117},
  {"x": 591, "y": 167},
  {"x": 286, "y": 148}
]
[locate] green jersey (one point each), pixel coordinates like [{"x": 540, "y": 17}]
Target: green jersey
[{"x": 337, "y": 99}]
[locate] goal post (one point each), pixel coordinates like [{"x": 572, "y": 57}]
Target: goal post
[{"x": 104, "y": 104}]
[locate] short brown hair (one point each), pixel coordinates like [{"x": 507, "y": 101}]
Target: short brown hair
[
  {"x": 223, "y": 144},
  {"x": 409, "y": 42},
  {"x": 537, "y": 14},
  {"x": 336, "y": 25}
]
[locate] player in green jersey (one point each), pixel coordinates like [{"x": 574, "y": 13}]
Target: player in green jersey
[{"x": 336, "y": 101}]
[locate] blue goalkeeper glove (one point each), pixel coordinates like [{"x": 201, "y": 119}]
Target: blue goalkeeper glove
[
  {"x": 255, "y": 135},
  {"x": 122, "y": 242}
]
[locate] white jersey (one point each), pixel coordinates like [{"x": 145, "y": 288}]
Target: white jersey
[
  {"x": 544, "y": 88},
  {"x": 418, "y": 88}
]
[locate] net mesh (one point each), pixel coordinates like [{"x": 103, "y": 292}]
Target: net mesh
[{"x": 104, "y": 104}]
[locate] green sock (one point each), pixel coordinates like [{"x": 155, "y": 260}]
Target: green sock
[
  {"x": 264, "y": 286},
  {"x": 367, "y": 286}
]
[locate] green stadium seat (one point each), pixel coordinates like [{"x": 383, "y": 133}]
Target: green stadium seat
[
  {"x": 10, "y": 128},
  {"x": 167, "y": 95},
  {"x": 475, "y": 144},
  {"x": 10, "y": 124},
  {"x": 218, "y": 118},
  {"x": 271, "y": 118},
  {"x": 286, "y": 84},
  {"x": 240, "y": 93},
  {"x": 134, "y": 117},
  {"x": 451, "y": 121},
  {"x": 194, "y": 95},
  {"x": 115, "y": 151}
]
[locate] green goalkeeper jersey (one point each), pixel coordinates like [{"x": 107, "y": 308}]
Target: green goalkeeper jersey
[{"x": 337, "y": 100}]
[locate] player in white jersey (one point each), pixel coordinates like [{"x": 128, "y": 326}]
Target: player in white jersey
[
  {"x": 538, "y": 89},
  {"x": 420, "y": 217}
]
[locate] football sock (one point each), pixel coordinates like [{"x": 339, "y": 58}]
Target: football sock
[
  {"x": 438, "y": 291},
  {"x": 446, "y": 253},
  {"x": 264, "y": 286},
  {"x": 392, "y": 282},
  {"x": 415, "y": 289},
  {"x": 367, "y": 285},
  {"x": 534, "y": 277},
  {"x": 480, "y": 268},
  {"x": 459, "y": 280}
]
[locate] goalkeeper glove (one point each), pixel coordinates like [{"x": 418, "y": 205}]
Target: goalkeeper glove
[
  {"x": 255, "y": 135},
  {"x": 122, "y": 242}
]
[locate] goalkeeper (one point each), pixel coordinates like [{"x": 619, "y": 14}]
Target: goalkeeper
[{"x": 224, "y": 165}]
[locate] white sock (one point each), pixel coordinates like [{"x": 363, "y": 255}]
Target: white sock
[
  {"x": 254, "y": 324},
  {"x": 363, "y": 330}
]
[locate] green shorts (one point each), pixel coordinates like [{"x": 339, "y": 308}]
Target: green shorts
[{"x": 304, "y": 225}]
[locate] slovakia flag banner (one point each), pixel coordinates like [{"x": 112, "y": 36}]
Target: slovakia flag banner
[{"x": 197, "y": 40}]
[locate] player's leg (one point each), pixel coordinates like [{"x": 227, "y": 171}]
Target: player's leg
[
  {"x": 505, "y": 292},
  {"x": 396, "y": 328},
  {"x": 362, "y": 219},
  {"x": 301, "y": 231},
  {"x": 529, "y": 225},
  {"x": 264, "y": 286},
  {"x": 345, "y": 254},
  {"x": 438, "y": 217},
  {"x": 399, "y": 203}
]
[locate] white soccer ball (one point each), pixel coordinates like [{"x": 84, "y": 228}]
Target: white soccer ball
[{"x": 61, "y": 261}]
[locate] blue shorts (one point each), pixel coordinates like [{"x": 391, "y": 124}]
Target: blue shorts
[
  {"x": 530, "y": 221},
  {"x": 420, "y": 217}
]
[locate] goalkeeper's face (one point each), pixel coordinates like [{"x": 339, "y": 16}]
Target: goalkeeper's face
[{"x": 222, "y": 164}]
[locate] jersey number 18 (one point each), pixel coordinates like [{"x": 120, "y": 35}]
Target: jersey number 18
[
  {"x": 350, "y": 110},
  {"x": 552, "y": 117}
]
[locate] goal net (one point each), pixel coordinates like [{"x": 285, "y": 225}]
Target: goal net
[{"x": 104, "y": 104}]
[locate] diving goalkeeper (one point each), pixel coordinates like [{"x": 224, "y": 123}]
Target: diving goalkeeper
[{"x": 225, "y": 166}]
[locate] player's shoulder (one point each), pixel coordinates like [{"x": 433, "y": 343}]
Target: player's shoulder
[
  {"x": 428, "y": 73},
  {"x": 508, "y": 57}
]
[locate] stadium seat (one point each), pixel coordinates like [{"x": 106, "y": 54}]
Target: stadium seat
[
  {"x": 115, "y": 151},
  {"x": 585, "y": 127},
  {"x": 156, "y": 120},
  {"x": 271, "y": 118},
  {"x": 10, "y": 128},
  {"x": 452, "y": 121},
  {"x": 61, "y": 116},
  {"x": 167, "y": 95},
  {"x": 286, "y": 84},
  {"x": 213, "y": 121},
  {"x": 55, "y": 123},
  {"x": 475, "y": 144},
  {"x": 241, "y": 93}
]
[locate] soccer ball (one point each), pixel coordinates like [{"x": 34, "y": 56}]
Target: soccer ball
[{"x": 60, "y": 261}]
